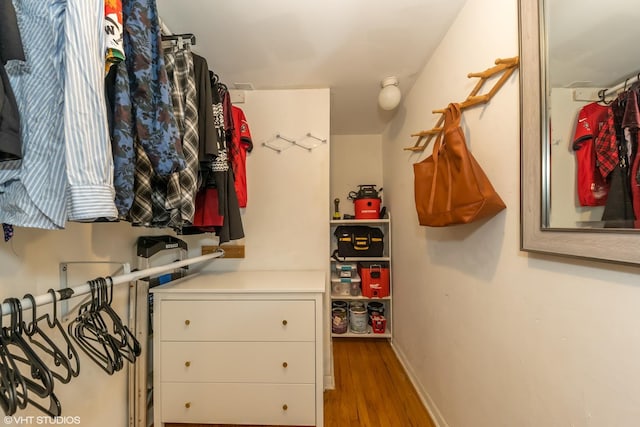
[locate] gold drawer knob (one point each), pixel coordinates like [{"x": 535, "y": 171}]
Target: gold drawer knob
[
  {"x": 187, "y": 405},
  {"x": 285, "y": 407},
  {"x": 187, "y": 363},
  {"x": 285, "y": 364},
  {"x": 187, "y": 322},
  {"x": 284, "y": 322}
]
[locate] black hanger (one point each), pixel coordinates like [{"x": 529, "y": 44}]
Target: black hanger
[
  {"x": 635, "y": 85},
  {"x": 69, "y": 361},
  {"x": 602, "y": 95},
  {"x": 10, "y": 379},
  {"x": 180, "y": 38},
  {"x": 129, "y": 347},
  {"x": 214, "y": 78},
  {"x": 89, "y": 331},
  {"x": 40, "y": 383}
]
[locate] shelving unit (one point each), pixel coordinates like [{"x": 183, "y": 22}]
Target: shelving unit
[{"x": 383, "y": 224}]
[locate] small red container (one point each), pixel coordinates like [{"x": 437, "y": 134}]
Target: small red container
[
  {"x": 378, "y": 324},
  {"x": 367, "y": 208},
  {"x": 374, "y": 279}
]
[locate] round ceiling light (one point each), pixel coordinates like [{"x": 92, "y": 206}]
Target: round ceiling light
[{"x": 389, "y": 96}]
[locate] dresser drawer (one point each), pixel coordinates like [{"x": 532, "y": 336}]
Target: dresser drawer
[
  {"x": 237, "y": 320},
  {"x": 256, "y": 362},
  {"x": 235, "y": 403}
]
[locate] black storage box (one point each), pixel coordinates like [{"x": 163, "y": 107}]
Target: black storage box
[{"x": 359, "y": 241}]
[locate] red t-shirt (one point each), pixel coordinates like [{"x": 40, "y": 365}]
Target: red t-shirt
[
  {"x": 241, "y": 145},
  {"x": 591, "y": 186}
]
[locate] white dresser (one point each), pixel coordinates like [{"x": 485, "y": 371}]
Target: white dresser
[{"x": 239, "y": 348}]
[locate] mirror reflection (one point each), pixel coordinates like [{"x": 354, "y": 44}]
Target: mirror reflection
[{"x": 592, "y": 170}]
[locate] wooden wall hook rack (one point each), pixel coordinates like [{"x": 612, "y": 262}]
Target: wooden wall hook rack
[{"x": 506, "y": 66}]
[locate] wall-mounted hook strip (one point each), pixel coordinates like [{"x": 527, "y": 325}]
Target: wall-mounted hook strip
[{"x": 505, "y": 67}]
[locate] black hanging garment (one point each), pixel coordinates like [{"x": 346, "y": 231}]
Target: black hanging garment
[
  {"x": 206, "y": 128},
  {"x": 618, "y": 211},
  {"x": 10, "y": 48},
  {"x": 217, "y": 180}
]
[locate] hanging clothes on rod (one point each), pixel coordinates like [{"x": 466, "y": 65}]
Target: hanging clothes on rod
[
  {"x": 169, "y": 200},
  {"x": 217, "y": 206},
  {"x": 606, "y": 147},
  {"x": 145, "y": 134}
]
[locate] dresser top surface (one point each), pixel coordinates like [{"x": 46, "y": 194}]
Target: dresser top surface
[{"x": 247, "y": 282}]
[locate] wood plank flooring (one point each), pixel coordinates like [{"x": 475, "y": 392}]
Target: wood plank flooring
[{"x": 372, "y": 389}]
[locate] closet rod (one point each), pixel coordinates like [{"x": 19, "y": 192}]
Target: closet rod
[
  {"x": 67, "y": 293},
  {"x": 626, "y": 82}
]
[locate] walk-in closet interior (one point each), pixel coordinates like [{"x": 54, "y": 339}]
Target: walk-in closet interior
[{"x": 213, "y": 211}]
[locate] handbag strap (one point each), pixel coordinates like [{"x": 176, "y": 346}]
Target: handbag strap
[
  {"x": 452, "y": 116},
  {"x": 449, "y": 116}
]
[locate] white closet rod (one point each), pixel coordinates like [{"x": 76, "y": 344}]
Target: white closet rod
[
  {"x": 627, "y": 82},
  {"x": 85, "y": 288}
]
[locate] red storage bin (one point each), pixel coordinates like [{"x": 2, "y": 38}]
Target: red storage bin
[{"x": 374, "y": 278}]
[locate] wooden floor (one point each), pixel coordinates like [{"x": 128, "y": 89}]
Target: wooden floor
[{"x": 372, "y": 389}]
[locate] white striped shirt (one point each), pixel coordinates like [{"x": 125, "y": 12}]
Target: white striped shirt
[
  {"x": 32, "y": 191},
  {"x": 67, "y": 170},
  {"x": 88, "y": 146}
]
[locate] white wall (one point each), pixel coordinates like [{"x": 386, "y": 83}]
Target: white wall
[
  {"x": 286, "y": 227},
  {"x": 355, "y": 160},
  {"x": 494, "y": 336},
  {"x": 286, "y": 219}
]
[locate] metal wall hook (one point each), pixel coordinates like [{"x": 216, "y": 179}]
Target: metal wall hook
[
  {"x": 322, "y": 140},
  {"x": 279, "y": 148}
]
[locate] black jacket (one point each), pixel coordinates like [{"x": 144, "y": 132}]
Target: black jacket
[{"x": 10, "y": 48}]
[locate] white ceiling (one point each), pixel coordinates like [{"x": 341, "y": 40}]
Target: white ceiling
[
  {"x": 592, "y": 43},
  {"x": 348, "y": 46}
]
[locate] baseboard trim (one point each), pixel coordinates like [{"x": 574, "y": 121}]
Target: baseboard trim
[
  {"x": 329, "y": 382},
  {"x": 428, "y": 403}
]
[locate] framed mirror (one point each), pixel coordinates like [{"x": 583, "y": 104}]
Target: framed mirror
[{"x": 544, "y": 226}]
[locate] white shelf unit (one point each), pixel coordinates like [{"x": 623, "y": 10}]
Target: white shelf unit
[{"x": 383, "y": 224}]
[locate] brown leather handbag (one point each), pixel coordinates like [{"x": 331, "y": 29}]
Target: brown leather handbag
[{"x": 450, "y": 187}]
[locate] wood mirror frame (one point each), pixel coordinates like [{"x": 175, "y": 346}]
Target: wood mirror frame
[{"x": 596, "y": 244}]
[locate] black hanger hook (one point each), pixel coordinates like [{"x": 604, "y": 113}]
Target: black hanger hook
[
  {"x": 30, "y": 329},
  {"x": 54, "y": 302}
]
